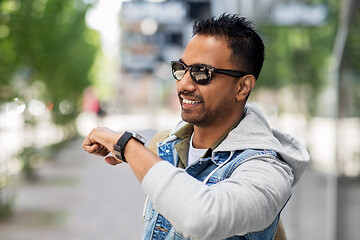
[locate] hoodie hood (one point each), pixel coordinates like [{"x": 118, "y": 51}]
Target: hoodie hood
[{"x": 254, "y": 132}]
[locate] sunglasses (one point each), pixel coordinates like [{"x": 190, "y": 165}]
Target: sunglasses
[{"x": 200, "y": 74}]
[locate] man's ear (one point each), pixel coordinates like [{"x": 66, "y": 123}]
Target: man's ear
[{"x": 245, "y": 85}]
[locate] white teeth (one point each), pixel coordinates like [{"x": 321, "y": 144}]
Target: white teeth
[{"x": 190, "y": 102}]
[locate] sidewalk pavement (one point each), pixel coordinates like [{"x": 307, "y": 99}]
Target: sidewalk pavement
[
  {"x": 77, "y": 197},
  {"x": 311, "y": 212},
  {"x": 80, "y": 197}
]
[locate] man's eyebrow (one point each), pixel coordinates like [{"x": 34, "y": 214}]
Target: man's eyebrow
[{"x": 180, "y": 60}]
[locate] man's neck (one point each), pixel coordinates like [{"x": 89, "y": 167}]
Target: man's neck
[{"x": 204, "y": 137}]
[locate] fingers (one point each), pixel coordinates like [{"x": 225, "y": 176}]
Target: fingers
[
  {"x": 102, "y": 136},
  {"x": 94, "y": 144},
  {"x": 87, "y": 143},
  {"x": 91, "y": 148},
  {"x": 93, "y": 137},
  {"x": 102, "y": 151},
  {"x": 100, "y": 141},
  {"x": 96, "y": 149}
]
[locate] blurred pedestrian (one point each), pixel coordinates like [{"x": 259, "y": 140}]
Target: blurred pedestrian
[{"x": 223, "y": 172}]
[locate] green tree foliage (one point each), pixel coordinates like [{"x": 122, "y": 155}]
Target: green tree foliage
[
  {"x": 352, "y": 52},
  {"x": 299, "y": 57},
  {"x": 350, "y": 84},
  {"x": 46, "y": 41}
]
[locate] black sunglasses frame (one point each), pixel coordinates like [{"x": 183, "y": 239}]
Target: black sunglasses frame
[{"x": 210, "y": 70}]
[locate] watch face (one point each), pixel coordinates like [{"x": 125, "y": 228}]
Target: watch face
[{"x": 139, "y": 138}]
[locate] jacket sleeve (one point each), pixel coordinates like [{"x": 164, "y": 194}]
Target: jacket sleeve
[{"x": 248, "y": 201}]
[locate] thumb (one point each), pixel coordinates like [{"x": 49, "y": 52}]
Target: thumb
[{"x": 112, "y": 160}]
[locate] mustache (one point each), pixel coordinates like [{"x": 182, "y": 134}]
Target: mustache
[{"x": 182, "y": 94}]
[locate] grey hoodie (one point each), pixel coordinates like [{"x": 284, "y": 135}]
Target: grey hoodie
[{"x": 248, "y": 201}]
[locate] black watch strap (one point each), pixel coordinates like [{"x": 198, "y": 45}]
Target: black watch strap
[{"x": 119, "y": 148}]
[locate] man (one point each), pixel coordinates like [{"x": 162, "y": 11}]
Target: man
[{"x": 223, "y": 173}]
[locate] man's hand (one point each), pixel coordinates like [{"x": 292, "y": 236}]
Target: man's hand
[{"x": 101, "y": 141}]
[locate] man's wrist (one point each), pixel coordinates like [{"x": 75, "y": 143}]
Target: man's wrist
[{"x": 119, "y": 147}]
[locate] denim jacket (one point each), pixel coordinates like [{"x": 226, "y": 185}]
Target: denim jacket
[{"x": 210, "y": 170}]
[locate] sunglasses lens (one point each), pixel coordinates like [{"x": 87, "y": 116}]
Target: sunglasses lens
[
  {"x": 200, "y": 74},
  {"x": 178, "y": 70}
]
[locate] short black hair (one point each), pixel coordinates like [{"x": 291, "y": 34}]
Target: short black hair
[{"x": 246, "y": 45}]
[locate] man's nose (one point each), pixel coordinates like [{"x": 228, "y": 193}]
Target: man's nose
[{"x": 186, "y": 83}]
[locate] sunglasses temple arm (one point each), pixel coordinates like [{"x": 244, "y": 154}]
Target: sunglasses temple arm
[{"x": 231, "y": 72}]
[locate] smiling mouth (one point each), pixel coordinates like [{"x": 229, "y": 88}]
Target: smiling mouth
[
  {"x": 187, "y": 101},
  {"x": 187, "y": 104}
]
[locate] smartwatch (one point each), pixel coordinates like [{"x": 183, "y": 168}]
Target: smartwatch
[{"x": 119, "y": 147}]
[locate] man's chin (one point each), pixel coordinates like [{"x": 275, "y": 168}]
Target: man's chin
[
  {"x": 188, "y": 119},
  {"x": 196, "y": 121}
]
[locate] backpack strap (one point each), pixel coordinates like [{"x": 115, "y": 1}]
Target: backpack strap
[
  {"x": 158, "y": 137},
  {"x": 280, "y": 232}
]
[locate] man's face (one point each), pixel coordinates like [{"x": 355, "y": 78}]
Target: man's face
[{"x": 207, "y": 105}]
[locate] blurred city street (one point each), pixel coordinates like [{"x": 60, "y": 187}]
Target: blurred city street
[
  {"x": 69, "y": 66},
  {"x": 78, "y": 196},
  {"x": 309, "y": 212}
]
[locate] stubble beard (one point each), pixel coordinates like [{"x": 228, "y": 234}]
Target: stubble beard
[{"x": 205, "y": 118}]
